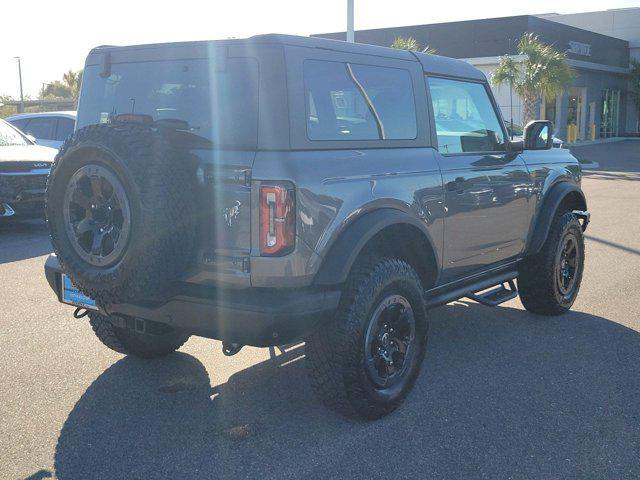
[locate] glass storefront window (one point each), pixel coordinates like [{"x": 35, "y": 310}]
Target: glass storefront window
[{"x": 609, "y": 113}]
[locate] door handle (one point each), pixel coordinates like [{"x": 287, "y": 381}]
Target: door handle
[{"x": 457, "y": 185}]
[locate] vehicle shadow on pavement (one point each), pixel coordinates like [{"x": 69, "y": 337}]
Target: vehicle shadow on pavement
[
  {"x": 22, "y": 240},
  {"x": 503, "y": 394}
]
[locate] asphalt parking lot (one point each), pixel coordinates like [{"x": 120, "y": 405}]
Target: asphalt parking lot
[{"x": 503, "y": 394}]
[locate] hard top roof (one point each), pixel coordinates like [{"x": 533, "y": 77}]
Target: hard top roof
[
  {"x": 430, "y": 63},
  {"x": 60, "y": 113}
]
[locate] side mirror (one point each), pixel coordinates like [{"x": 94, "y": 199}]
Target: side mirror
[
  {"x": 538, "y": 135},
  {"x": 31, "y": 137}
]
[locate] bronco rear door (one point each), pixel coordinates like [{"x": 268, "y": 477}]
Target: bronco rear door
[{"x": 206, "y": 94}]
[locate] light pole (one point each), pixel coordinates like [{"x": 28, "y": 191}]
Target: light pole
[
  {"x": 350, "y": 33},
  {"x": 20, "y": 77}
]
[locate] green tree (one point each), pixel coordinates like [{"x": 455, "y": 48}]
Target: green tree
[
  {"x": 635, "y": 88},
  {"x": 544, "y": 72},
  {"x": 6, "y": 110},
  {"x": 68, "y": 87},
  {"x": 54, "y": 90},
  {"x": 73, "y": 80},
  {"x": 411, "y": 43}
]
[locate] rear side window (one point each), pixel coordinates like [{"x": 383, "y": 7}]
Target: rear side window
[
  {"x": 465, "y": 118},
  {"x": 358, "y": 102},
  {"x": 19, "y": 123},
  {"x": 213, "y": 105},
  {"x": 65, "y": 128},
  {"x": 41, "y": 127}
]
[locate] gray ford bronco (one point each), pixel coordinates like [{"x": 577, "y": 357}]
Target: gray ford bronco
[{"x": 281, "y": 189}]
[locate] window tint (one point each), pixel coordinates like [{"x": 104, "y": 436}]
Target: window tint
[
  {"x": 210, "y": 104},
  {"x": 19, "y": 123},
  {"x": 40, "y": 127},
  {"x": 465, "y": 118},
  {"x": 65, "y": 128},
  {"x": 358, "y": 102}
]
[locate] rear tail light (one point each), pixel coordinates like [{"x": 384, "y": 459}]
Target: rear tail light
[{"x": 277, "y": 220}]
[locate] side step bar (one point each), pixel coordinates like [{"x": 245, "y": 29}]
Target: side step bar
[
  {"x": 496, "y": 296},
  {"x": 435, "y": 298}
]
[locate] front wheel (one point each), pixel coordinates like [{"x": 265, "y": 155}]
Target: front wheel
[
  {"x": 549, "y": 281},
  {"x": 365, "y": 362}
]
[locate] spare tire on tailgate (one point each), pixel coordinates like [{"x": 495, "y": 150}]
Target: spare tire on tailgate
[{"x": 120, "y": 211}]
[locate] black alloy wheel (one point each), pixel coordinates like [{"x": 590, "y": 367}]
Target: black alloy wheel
[
  {"x": 389, "y": 342},
  {"x": 567, "y": 265},
  {"x": 97, "y": 215}
]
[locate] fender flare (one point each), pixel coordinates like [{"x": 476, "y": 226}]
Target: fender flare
[
  {"x": 550, "y": 205},
  {"x": 342, "y": 254}
]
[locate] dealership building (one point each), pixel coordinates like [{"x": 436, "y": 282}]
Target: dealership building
[{"x": 598, "y": 45}]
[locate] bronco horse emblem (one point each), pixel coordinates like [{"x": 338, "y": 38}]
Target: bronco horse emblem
[{"x": 231, "y": 213}]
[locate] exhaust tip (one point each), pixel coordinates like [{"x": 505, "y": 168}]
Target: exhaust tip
[{"x": 6, "y": 210}]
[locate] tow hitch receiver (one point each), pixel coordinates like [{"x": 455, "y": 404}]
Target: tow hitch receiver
[
  {"x": 497, "y": 295},
  {"x": 230, "y": 349}
]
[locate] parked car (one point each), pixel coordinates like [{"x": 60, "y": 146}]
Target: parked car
[
  {"x": 279, "y": 189},
  {"x": 24, "y": 167},
  {"x": 49, "y": 128}
]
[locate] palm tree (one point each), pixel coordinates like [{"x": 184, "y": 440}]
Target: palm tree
[
  {"x": 411, "y": 43},
  {"x": 73, "y": 80},
  {"x": 543, "y": 72}
]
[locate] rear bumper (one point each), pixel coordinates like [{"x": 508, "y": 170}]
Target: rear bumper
[{"x": 255, "y": 316}]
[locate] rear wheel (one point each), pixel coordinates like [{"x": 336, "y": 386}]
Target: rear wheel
[
  {"x": 364, "y": 362},
  {"x": 549, "y": 281},
  {"x": 120, "y": 335}
]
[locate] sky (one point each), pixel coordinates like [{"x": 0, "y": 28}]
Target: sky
[{"x": 52, "y": 37}]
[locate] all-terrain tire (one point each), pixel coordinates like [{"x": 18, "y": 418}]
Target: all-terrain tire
[
  {"x": 538, "y": 283},
  {"x": 335, "y": 354},
  {"x": 158, "y": 182},
  {"x": 127, "y": 341}
]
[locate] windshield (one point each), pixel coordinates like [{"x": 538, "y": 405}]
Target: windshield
[
  {"x": 216, "y": 104},
  {"x": 10, "y": 137}
]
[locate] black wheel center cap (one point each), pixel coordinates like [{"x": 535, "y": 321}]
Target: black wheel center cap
[{"x": 101, "y": 214}]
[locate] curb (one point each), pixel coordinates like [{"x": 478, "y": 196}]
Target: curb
[
  {"x": 591, "y": 166},
  {"x": 585, "y": 143}
]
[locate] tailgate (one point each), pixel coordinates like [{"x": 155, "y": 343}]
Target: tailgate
[{"x": 224, "y": 217}]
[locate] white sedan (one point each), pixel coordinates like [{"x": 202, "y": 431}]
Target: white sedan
[
  {"x": 24, "y": 167},
  {"x": 48, "y": 128}
]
